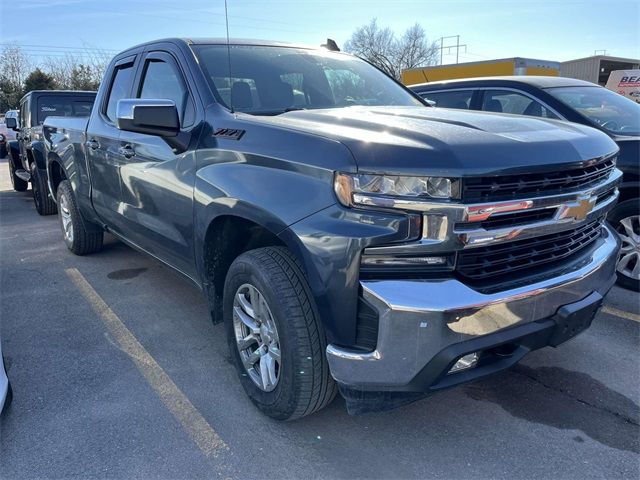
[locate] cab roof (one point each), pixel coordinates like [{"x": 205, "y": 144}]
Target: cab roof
[{"x": 223, "y": 41}]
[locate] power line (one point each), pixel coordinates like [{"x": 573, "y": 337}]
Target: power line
[{"x": 56, "y": 47}]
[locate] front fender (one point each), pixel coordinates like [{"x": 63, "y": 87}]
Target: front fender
[
  {"x": 13, "y": 151},
  {"x": 270, "y": 197},
  {"x": 39, "y": 155}
]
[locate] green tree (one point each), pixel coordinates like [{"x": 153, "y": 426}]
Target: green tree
[
  {"x": 38, "y": 80},
  {"x": 82, "y": 78}
]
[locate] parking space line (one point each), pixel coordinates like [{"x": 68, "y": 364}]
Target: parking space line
[
  {"x": 621, "y": 313},
  {"x": 176, "y": 402}
]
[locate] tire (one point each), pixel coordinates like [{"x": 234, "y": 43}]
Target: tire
[
  {"x": 44, "y": 203},
  {"x": 76, "y": 236},
  {"x": 303, "y": 384},
  {"x": 18, "y": 184},
  {"x": 625, "y": 219}
]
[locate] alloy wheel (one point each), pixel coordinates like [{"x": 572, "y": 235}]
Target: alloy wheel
[
  {"x": 256, "y": 337},
  {"x": 65, "y": 217},
  {"x": 629, "y": 260}
]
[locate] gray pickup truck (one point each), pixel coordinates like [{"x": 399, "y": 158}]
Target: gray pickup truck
[{"x": 350, "y": 237}]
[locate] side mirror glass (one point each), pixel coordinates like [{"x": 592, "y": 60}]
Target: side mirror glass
[
  {"x": 11, "y": 123},
  {"x": 148, "y": 116}
]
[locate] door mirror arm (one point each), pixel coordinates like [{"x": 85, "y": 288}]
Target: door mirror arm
[{"x": 179, "y": 143}]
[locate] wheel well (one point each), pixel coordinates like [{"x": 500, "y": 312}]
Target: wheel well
[
  {"x": 57, "y": 175},
  {"x": 228, "y": 237}
]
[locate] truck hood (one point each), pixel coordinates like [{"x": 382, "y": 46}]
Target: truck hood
[{"x": 420, "y": 140}]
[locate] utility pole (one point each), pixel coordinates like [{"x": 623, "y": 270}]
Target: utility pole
[{"x": 457, "y": 46}]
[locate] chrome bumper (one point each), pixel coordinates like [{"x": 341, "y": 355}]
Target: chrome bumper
[{"x": 419, "y": 318}]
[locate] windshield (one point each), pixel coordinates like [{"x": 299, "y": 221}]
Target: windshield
[
  {"x": 273, "y": 80},
  {"x": 62, "y": 107},
  {"x": 607, "y": 109}
]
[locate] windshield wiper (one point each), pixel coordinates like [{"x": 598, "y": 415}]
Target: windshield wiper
[{"x": 292, "y": 109}]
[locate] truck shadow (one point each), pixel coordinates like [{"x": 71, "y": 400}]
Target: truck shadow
[{"x": 566, "y": 400}]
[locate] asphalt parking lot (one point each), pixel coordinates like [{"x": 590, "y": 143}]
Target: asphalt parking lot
[{"x": 118, "y": 373}]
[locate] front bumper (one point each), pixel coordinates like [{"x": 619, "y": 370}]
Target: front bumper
[{"x": 425, "y": 326}]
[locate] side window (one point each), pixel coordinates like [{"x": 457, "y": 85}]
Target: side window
[
  {"x": 452, "y": 99},
  {"x": 25, "y": 114},
  {"x": 120, "y": 87},
  {"x": 516, "y": 103},
  {"x": 162, "y": 81}
]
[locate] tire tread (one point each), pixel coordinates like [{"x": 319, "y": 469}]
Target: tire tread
[{"x": 314, "y": 391}]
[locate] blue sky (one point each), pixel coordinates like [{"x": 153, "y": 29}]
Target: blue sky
[{"x": 551, "y": 30}]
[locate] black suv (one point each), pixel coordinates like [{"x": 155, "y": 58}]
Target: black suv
[
  {"x": 576, "y": 101},
  {"x": 27, "y": 158}
]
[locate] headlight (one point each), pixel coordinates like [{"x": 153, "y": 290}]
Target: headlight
[
  {"x": 391, "y": 191},
  {"x": 2, "y": 138}
]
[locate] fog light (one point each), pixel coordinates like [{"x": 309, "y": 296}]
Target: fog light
[{"x": 463, "y": 363}]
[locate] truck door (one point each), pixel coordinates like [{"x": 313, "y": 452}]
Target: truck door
[
  {"x": 157, "y": 184},
  {"x": 102, "y": 144}
]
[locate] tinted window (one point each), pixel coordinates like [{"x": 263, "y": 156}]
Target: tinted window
[
  {"x": 162, "y": 81},
  {"x": 25, "y": 113},
  {"x": 452, "y": 99},
  {"x": 120, "y": 88},
  {"x": 272, "y": 80},
  {"x": 63, "y": 107},
  {"x": 507, "y": 101}
]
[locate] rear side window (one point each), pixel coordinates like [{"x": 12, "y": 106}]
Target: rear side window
[
  {"x": 507, "y": 101},
  {"x": 162, "y": 81},
  {"x": 453, "y": 99},
  {"x": 120, "y": 88}
]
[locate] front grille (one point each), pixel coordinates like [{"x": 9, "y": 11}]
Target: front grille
[
  {"x": 515, "y": 260},
  {"x": 508, "y": 187}
]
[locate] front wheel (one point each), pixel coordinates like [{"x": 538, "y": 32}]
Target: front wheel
[
  {"x": 76, "y": 236},
  {"x": 625, "y": 218},
  {"x": 275, "y": 335}
]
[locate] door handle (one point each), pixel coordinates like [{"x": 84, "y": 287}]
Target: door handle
[
  {"x": 127, "y": 151},
  {"x": 93, "y": 144}
]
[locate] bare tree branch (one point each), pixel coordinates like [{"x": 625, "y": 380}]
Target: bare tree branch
[
  {"x": 14, "y": 69},
  {"x": 380, "y": 47}
]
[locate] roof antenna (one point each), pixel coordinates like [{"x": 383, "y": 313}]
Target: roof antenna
[
  {"x": 226, "y": 19},
  {"x": 331, "y": 45}
]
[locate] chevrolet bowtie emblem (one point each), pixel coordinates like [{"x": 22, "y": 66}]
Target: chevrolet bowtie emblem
[{"x": 579, "y": 209}]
